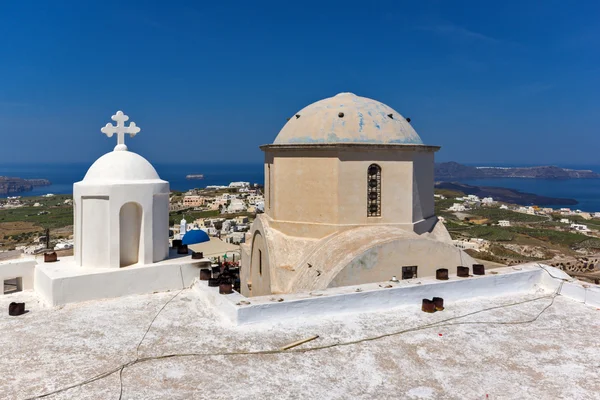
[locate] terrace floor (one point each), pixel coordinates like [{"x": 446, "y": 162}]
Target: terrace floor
[{"x": 501, "y": 353}]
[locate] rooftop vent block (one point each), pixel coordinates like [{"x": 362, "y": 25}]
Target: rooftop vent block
[
  {"x": 297, "y": 116},
  {"x": 15, "y": 309},
  {"x": 407, "y": 119},
  {"x": 391, "y": 116},
  {"x": 341, "y": 115}
]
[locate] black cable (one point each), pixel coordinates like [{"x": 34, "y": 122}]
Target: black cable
[
  {"x": 137, "y": 350},
  {"x": 121, "y": 382}
]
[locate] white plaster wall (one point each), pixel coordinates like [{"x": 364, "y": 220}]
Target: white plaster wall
[
  {"x": 58, "y": 284},
  {"x": 95, "y": 231},
  {"x": 99, "y": 234},
  {"x": 372, "y": 297},
  {"x": 160, "y": 226},
  {"x": 19, "y": 268}
]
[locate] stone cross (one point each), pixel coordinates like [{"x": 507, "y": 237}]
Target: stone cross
[{"x": 120, "y": 130}]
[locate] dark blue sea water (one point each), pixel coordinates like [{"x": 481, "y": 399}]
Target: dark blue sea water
[{"x": 62, "y": 176}]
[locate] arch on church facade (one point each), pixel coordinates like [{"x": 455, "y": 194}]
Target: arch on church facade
[
  {"x": 259, "y": 279},
  {"x": 374, "y": 191},
  {"x": 130, "y": 233}
]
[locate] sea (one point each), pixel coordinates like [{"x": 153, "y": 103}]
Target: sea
[{"x": 62, "y": 176}]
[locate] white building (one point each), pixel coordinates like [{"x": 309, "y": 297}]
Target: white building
[
  {"x": 121, "y": 198},
  {"x": 260, "y": 206},
  {"x": 504, "y": 207},
  {"x": 66, "y": 245},
  {"x": 565, "y": 221},
  {"x": 488, "y": 201},
  {"x": 457, "y": 207},
  {"x": 504, "y": 223},
  {"x": 476, "y": 244},
  {"x": 237, "y": 185},
  {"x": 121, "y": 232},
  {"x": 236, "y": 206},
  {"x": 580, "y": 227}
]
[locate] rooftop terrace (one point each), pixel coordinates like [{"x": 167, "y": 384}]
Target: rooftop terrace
[{"x": 522, "y": 345}]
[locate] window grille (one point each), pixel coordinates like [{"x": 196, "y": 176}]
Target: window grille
[{"x": 374, "y": 191}]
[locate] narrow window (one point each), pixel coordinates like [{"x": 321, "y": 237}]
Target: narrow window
[
  {"x": 409, "y": 272},
  {"x": 374, "y": 191},
  {"x": 260, "y": 262}
]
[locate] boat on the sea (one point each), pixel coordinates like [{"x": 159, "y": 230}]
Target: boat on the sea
[{"x": 194, "y": 176}]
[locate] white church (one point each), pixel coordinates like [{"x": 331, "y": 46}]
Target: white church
[
  {"x": 121, "y": 208},
  {"x": 349, "y": 225},
  {"x": 348, "y": 200},
  {"x": 343, "y": 280},
  {"x": 121, "y": 233}
]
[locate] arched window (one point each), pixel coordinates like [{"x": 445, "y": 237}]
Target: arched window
[{"x": 374, "y": 191}]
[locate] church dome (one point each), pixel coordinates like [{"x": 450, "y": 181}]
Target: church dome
[
  {"x": 121, "y": 166},
  {"x": 348, "y": 118}
]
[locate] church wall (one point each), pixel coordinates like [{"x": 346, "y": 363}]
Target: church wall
[
  {"x": 304, "y": 187},
  {"x": 313, "y": 193},
  {"x": 95, "y": 235},
  {"x": 423, "y": 184},
  {"x": 260, "y": 268},
  {"x": 396, "y": 187},
  {"x": 268, "y": 174},
  {"x": 380, "y": 263}
]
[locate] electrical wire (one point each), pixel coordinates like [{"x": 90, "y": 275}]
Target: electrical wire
[{"x": 441, "y": 323}]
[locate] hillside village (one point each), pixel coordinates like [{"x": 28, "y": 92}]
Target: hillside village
[
  {"x": 511, "y": 234},
  {"x": 487, "y": 229},
  {"x": 224, "y": 212}
]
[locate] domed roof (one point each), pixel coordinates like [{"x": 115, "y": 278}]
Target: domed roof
[
  {"x": 348, "y": 118},
  {"x": 121, "y": 166},
  {"x": 195, "y": 236}
]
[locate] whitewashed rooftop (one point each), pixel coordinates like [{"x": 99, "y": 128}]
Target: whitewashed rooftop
[{"x": 494, "y": 353}]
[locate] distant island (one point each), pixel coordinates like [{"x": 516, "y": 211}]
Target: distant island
[
  {"x": 11, "y": 185},
  {"x": 506, "y": 195},
  {"x": 454, "y": 170}
]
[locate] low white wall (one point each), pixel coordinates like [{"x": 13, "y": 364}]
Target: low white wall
[
  {"x": 19, "y": 268},
  {"x": 573, "y": 289},
  {"x": 373, "y": 297},
  {"x": 58, "y": 286}
]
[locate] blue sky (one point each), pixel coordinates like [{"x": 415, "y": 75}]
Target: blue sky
[{"x": 490, "y": 82}]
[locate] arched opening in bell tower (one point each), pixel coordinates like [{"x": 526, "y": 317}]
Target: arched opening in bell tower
[{"x": 130, "y": 231}]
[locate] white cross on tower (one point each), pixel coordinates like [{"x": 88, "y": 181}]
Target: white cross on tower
[{"x": 120, "y": 130}]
